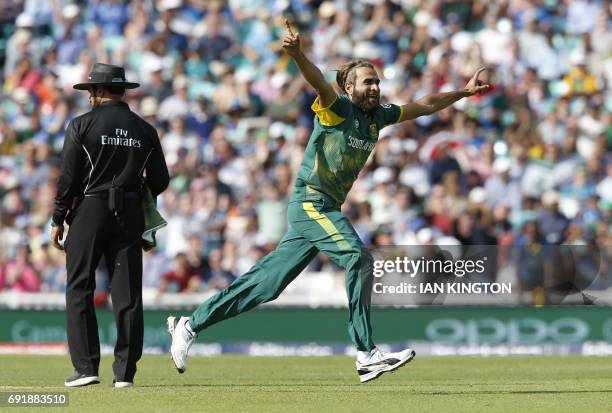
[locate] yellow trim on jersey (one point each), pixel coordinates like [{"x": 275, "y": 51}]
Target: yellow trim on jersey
[
  {"x": 399, "y": 118},
  {"x": 326, "y": 116},
  {"x": 326, "y": 224}
]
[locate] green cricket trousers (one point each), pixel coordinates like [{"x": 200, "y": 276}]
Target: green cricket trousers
[{"x": 313, "y": 226}]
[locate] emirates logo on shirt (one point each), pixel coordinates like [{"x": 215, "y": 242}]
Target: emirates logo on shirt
[{"x": 121, "y": 138}]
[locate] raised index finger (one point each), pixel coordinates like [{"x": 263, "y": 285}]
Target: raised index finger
[{"x": 289, "y": 28}]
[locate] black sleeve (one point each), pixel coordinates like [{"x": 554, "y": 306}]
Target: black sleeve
[
  {"x": 156, "y": 169},
  {"x": 71, "y": 175}
]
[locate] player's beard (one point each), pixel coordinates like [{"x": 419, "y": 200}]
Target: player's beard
[{"x": 367, "y": 103}]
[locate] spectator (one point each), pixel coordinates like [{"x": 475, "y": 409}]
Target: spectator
[
  {"x": 196, "y": 255},
  {"x": 177, "y": 104},
  {"x": 443, "y": 163},
  {"x": 501, "y": 187},
  {"x": 552, "y": 224},
  {"x": 181, "y": 278},
  {"x": 214, "y": 44},
  {"x": 69, "y": 35},
  {"x": 110, "y": 15},
  {"x": 272, "y": 206},
  {"x": 578, "y": 80},
  {"x": 23, "y": 43},
  {"x": 20, "y": 273},
  {"x": 216, "y": 277},
  {"x": 533, "y": 258}
]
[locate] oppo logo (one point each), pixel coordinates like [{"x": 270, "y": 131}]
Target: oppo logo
[{"x": 513, "y": 331}]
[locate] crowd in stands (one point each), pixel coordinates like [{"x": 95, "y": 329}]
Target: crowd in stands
[{"x": 526, "y": 164}]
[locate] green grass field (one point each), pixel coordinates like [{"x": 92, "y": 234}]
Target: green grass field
[{"x": 329, "y": 384}]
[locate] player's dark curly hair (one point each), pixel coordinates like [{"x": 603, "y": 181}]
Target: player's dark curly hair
[{"x": 346, "y": 74}]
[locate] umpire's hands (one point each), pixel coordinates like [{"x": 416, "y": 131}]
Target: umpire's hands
[{"x": 57, "y": 234}]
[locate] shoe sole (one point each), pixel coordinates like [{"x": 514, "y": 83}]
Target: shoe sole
[
  {"x": 171, "y": 323},
  {"x": 376, "y": 374},
  {"x": 85, "y": 381}
]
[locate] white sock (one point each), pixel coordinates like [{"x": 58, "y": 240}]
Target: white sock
[{"x": 363, "y": 356}]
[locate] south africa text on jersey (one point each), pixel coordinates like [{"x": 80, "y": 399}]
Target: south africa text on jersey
[{"x": 361, "y": 144}]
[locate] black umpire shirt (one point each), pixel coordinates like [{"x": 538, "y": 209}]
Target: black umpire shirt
[{"x": 108, "y": 144}]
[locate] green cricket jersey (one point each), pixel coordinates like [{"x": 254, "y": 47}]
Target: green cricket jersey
[{"x": 340, "y": 144}]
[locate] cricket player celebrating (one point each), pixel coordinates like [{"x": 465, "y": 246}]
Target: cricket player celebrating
[{"x": 345, "y": 132}]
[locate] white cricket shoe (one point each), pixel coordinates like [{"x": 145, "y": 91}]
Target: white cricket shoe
[
  {"x": 182, "y": 339},
  {"x": 378, "y": 362}
]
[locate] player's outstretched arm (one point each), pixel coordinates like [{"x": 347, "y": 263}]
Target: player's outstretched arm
[
  {"x": 433, "y": 103},
  {"x": 312, "y": 74}
]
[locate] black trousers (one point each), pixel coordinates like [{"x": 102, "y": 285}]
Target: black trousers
[{"x": 95, "y": 233}]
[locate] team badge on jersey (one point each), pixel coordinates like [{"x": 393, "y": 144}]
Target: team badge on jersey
[
  {"x": 373, "y": 130},
  {"x": 386, "y": 106}
]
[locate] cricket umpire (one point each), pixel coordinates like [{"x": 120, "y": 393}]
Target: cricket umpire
[{"x": 106, "y": 151}]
